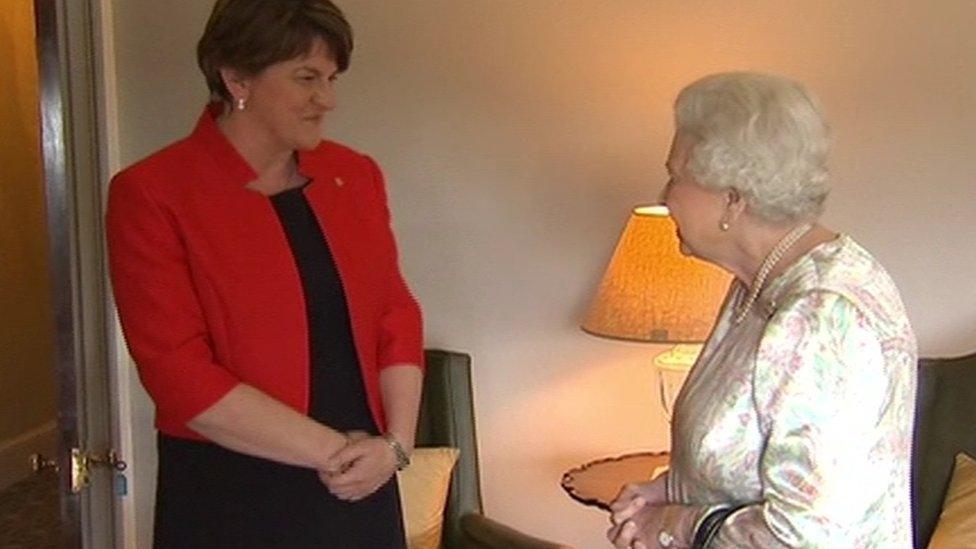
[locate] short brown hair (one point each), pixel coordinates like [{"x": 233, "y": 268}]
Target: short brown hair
[{"x": 250, "y": 35}]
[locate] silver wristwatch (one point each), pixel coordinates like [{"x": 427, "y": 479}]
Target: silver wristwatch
[{"x": 402, "y": 459}]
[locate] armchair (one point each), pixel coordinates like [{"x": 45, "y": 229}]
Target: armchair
[
  {"x": 946, "y": 406},
  {"x": 447, "y": 419}
]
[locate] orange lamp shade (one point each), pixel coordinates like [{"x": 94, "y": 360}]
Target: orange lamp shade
[{"x": 650, "y": 291}]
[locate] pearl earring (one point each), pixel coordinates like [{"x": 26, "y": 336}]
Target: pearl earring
[
  {"x": 241, "y": 104},
  {"x": 724, "y": 226}
]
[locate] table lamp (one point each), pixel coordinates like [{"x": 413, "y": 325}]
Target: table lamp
[{"x": 653, "y": 293}]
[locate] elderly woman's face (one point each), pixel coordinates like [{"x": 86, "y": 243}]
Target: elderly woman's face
[
  {"x": 696, "y": 210},
  {"x": 289, "y": 99}
]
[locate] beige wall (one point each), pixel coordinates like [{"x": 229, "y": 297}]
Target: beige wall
[
  {"x": 515, "y": 135},
  {"x": 26, "y": 325}
]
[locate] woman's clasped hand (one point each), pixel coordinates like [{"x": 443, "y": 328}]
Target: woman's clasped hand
[
  {"x": 641, "y": 518},
  {"x": 360, "y": 468}
]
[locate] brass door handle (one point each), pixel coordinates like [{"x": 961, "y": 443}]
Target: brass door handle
[{"x": 81, "y": 464}]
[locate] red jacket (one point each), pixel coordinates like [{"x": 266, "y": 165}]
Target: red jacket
[{"x": 207, "y": 288}]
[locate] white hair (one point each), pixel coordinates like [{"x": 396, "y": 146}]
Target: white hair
[{"x": 761, "y": 135}]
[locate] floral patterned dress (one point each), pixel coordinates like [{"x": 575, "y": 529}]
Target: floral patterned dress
[{"x": 802, "y": 413}]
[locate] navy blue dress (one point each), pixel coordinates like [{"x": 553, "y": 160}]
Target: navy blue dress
[{"x": 208, "y": 496}]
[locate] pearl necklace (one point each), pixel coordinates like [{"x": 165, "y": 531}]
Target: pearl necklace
[{"x": 766, "y": 267}]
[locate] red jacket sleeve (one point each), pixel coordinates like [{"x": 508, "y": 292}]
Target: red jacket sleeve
[
  {"x": 401, "y": 325},
  {"x": 158, "y": 307}
]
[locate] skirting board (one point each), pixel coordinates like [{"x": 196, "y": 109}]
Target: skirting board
[{"x": 15, "y": 452}]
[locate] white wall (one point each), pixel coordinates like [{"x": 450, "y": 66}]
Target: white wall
[{"x": 515, "y": 135}]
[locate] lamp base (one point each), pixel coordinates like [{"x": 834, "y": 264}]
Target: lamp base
[
  {"x": 679, "y": 358},
  {"x": 672, "y": 368}
]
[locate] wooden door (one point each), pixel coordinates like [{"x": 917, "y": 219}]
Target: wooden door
[{"x": 66, "y": 51}]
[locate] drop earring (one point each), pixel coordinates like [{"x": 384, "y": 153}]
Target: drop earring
[{"x": 241, "y": 103}]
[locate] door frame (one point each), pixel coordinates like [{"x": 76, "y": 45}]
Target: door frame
[{"x": 71, "y": 144}]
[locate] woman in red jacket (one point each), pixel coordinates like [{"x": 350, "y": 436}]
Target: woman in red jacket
[{"x": 257, "y": 283}]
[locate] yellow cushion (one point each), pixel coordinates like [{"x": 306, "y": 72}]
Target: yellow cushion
[
  {"x": 957, "y": 523},
  {"x": 423, "y": 495}
]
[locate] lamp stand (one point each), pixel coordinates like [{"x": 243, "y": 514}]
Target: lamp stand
[{"x": 672, "y": 368}]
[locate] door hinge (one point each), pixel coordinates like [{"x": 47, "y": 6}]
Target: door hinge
[{"x": 82, "y": 463}]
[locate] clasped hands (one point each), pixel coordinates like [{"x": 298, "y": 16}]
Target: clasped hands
[
  {"x": 360, "y": 468},
  {"x": 641, "y": 518}
]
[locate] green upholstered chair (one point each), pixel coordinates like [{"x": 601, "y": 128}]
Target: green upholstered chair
[
  {"x": 447, "y": 419},
  {"x": 945, "y": 424}
]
